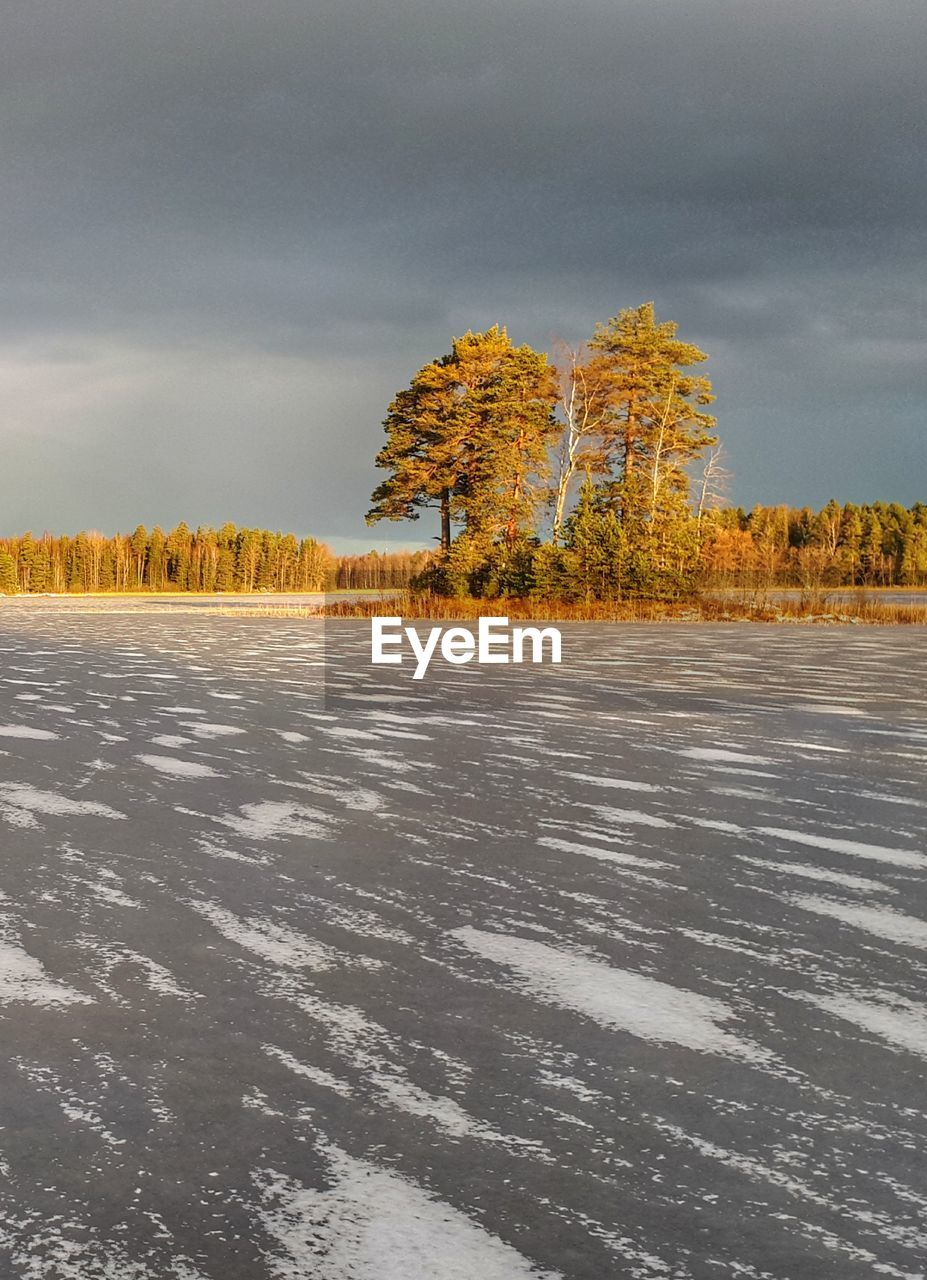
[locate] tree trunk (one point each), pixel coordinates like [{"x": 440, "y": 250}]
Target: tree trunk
[{"x": 445, "y": 520}]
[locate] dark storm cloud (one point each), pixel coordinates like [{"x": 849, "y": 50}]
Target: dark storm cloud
[{"x": 232, "y": 230}]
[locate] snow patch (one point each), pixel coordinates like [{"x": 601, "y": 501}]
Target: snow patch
[
  {"x": 373, "y": 1224},
  {"x": 24, "y": 979},
  {"x": 727, "y": 757},
  {"x": 26, "y": 731},
  {"x": 615, "y": 998},
  {"x": 19, "y": 803},
  {"x": 203, "y": 729},
  {"x": 606, "y": 855},
  {"x": 884, "y": 922},
  {"x": 901, "y": 1022},
  {"x": 804, "y": 872},
  {"x": 272, "y": 819},
  {"x": 633, "y": 817},
  {"x": 272, "y": 942},
  {"x": 316, "y": 1074},
  {"x": 176, "y": 768},
  {"x": 623, "y": 784},
  {"x": 854, "y": 848}
]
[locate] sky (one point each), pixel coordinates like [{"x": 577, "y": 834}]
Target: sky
[{"x": 233, "y": 229}]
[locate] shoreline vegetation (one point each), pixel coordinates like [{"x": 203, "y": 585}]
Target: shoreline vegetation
[
  {"x": 878, "y": 607},
  {"x": 852, "y": 609}
]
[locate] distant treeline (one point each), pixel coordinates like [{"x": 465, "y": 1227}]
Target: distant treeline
[
  {"x": 879, "y": 545},
  {"x": 882, "y": 545},
  {"x": 205, "y": 559},
  {"x": 378, "y": 571}
]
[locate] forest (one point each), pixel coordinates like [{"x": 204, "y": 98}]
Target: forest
[
  {"x": 202, "y": 560},
  {"x": 878, "y": 545},
  {"x": 596, "y": 474}
]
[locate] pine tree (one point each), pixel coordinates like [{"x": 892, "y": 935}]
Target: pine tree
[
  {"x": 247, "y": 559},
  {"x": 25, "y": 559},
  {"x": 225, "y": 569},
  {"x": 870, "y": 552},
  {"x": 107, "y": 571},
  {"x": 157, "y": 559},
  {"x": 178, "y": 550},
  {"x": 139, "y": 545},
  {"x": 656, "y": 423},
  {"x": 41, "y": 569},
  {"x": 851, "y": 537},
  {"x": 655, "y": 428},
  {"x": 596, "y": 557},
  {"x": 470, "y": 435},
  {"x": 8, "y": 582}
]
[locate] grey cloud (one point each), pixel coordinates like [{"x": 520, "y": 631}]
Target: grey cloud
[{"x": 335, "y": 188}]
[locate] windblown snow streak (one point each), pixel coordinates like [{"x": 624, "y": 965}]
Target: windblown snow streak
[
  {"x": 615, "y": 969},
  {"x": 613, "y": 997}
]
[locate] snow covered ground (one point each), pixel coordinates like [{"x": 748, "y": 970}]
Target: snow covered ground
[{"x": 616, "y": 969}]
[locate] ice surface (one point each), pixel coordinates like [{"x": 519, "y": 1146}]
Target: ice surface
[{"x": 431, "y": 980}]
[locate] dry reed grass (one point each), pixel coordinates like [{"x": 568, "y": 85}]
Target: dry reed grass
[{"x": 700, "y": 609}]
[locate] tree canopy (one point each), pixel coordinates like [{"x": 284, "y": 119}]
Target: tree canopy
[
  {"x": 471, "y": 435},
  {"x": 496, "y": 437}
]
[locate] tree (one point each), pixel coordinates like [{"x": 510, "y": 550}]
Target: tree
[
  {"x": 25, "y": 558},
  {"x": 596, "y": 547},
  {"x": 157, "y": 559},
  {"x": 470, "y": 435},
  {"x": 871, "y": 554},
  {"x": 248, "y": 558},
  {"x": 713, "y": 485},
  {"x": 421, "y": 465},
  {"x": 8, "y": 582},
  {"x": 827, "y": 526},
  {"x": 583, "y": 406},
  {"x": 316, "y": 566},
  {"x": 656, "y": 423},
  {"x": 178, "y": 556},
  {"x": 851, "y": 536},
  {"x": 139, "y": 545}
]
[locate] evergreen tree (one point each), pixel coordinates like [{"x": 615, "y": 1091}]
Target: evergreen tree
[
  {"x": 139, "y": 544},
  {"x": 177, "y": 549},
  {"x": 24, "y": 561},
  {"x": 870, "y": 552},
  {"x": 656, "y": 423},
  {"x": 851, "y": 537},
  {"x": 247, "y": 558},
  {"x": 8, "y": 581},
  {"x": 470, "y": 435},
  {"x": 596, "y": 544},
  {"x": 655, "y": 427},
  {"x": 107, "y": 570}
]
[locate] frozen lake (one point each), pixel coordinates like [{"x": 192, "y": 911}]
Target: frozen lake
[{"x": 616, "y": 969}]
